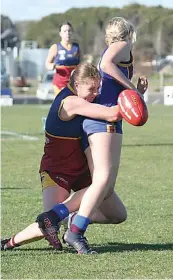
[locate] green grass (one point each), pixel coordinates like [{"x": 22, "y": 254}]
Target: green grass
[{"x": 139, "y": 248}]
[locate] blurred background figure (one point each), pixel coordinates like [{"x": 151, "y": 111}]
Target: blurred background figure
[{"x": 63, "y": 57}]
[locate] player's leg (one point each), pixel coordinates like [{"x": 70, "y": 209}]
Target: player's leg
[
  {"x": 52, "y": 194},
  {"x": 111, "y": 210},
  {"x": 104, "y": 155},
  {"x": 104, "y": 152},
  {"x": 49, "y": 221},
  {"x": 60, "y": 211}
]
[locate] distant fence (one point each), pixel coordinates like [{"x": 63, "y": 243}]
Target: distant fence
[{"x": 30, "y": 61}]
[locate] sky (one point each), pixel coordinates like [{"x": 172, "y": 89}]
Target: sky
[{"x": 36, "y": 9}]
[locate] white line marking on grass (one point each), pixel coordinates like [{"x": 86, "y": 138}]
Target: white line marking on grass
[
  {"x": 46, "y": 106},
  {"x": 156, "y": 101},
  {"x": 17, "y": 135}
]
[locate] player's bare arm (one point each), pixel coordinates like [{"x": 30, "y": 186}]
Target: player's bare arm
[
  {"x": 114, "y": 55},
  {"x": 50, "y": 58},
  {"x": 74, "y": 105}
]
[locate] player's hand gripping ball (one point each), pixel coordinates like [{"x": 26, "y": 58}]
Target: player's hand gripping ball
[{"x": 132, "y": 107}]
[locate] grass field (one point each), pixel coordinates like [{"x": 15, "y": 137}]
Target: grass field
[{"x": 142, "y": 247}]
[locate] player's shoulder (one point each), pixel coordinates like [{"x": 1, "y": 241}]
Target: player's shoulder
[
  {"x": 54, "y": 46},
  {"x": 120, "y": 45},
  {"x": 72, "y": 101}
]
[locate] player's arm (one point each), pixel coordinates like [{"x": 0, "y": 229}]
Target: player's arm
[
  {"x": 50, "y": 57},
  {"x": 114, "y": 55},
  {"x": 74, "y": 105}
]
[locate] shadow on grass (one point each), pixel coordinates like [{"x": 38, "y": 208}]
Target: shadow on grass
[
  {"x": 121, "y": 247},
  {"x": 101, "y": 249},
  {"x": 35, "y": 251}
]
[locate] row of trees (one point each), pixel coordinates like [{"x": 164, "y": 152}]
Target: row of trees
[{"x": 154, "y": 25}]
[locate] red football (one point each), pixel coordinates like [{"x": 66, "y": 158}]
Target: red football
[{"x": 132, "y": 107}]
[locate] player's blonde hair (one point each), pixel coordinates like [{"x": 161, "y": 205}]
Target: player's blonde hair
[
  {"x": 118, "y": 29},
  {"x": 83, "y": 72}
]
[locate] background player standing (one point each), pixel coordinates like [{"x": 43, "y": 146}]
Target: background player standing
[{"x": 63, "y": 57}]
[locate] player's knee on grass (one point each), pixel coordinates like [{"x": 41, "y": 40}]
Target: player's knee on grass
[
  {"x": 115, "y": 211},
  {"x": 120, "y": 217},
  {"x": 117, "y": 220}
]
